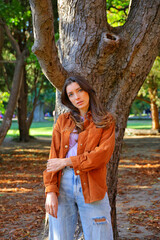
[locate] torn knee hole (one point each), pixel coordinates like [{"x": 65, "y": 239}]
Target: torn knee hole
[{"x": 100, "y": 220}]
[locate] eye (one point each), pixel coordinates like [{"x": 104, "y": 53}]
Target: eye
[
  {"x": 80, "y": 90},
  {"x": 70, "y": 95}
]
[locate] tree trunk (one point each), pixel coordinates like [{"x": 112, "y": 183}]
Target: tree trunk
[
  {"x": 154, "y": 108},
  {"x": 155, "y": 115},
  {"x": 1, "y": 42},
  {"x": 22, "y": 110},
  {"x": 17, "y": 79},
  {"x": 115, "y": 61},
  {"x": 16, "y": 83}
]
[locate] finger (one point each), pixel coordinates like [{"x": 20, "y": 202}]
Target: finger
[
  {"x": 55, "y": 211},
  {"x": 49, "y": 210},
  {"x": 52, "y": 211},
  {"x": 49, "y": 170}
]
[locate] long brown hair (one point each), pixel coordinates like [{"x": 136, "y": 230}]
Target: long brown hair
[{"x": 100, "y": 117}]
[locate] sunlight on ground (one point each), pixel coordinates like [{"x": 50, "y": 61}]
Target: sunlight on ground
[
  {"x": 8, "y": 181},
  {"x": 17, "y": 190},
  {"x": 139, "y": 166},
  {"x": 138, "y": 186}
]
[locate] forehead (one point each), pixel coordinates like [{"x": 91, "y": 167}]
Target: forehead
[{"x": 72, "y": 87}]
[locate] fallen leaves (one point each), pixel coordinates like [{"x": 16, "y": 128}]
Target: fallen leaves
[{"x": 22, "y": 193}]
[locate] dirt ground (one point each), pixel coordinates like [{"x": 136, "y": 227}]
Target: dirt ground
[{"x": 22, "y": 192}]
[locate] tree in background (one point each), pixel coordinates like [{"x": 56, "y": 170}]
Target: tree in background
[
  {"x": 17, "y": 37},
  {"x": 115, "y": 60},
  {"x": 150, "y": 92},
  {"x": 16, "y": 82}
]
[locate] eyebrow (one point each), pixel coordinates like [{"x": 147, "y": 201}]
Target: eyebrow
[{"x": 75, "y": 89}]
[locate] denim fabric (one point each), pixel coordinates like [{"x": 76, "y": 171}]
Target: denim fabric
[{"x": 95, "y": 217}]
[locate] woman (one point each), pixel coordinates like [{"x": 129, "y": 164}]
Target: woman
[{"x": 75, "y": 179}]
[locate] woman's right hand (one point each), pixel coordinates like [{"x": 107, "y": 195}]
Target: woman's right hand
[{"x": 51, "y": 204}]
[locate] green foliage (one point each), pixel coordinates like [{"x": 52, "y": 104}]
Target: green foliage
[
  {"x": 15, "y": 13},
  {"x": 4, "y": 97},
  {"x": 152, "y": 83},
  {"x": 138, "y": 107},
  {"x": 117, "y": 12}
]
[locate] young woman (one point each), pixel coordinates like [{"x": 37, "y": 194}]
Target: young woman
[{"x": 75, "y": 179}]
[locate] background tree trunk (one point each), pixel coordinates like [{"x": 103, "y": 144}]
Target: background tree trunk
[
  {"x": 155, "y": 116},
  {"x": 115, "y": 61},
  {"x": 154, "y": 108},
  {"x": 17, "y": 79},
  {"x": 16, "y": 83},
  {"x": 22, "y": 110}
]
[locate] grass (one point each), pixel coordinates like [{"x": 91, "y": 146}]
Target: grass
[
  {"x": 44, "y": 129},
  {"x": 139, "y": 124},
  {"x": 38, "y": 129}
]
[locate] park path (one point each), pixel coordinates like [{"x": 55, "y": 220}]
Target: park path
[{"x": 22, "y": 192}]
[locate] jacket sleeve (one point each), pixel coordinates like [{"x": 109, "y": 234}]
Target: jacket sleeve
[
  {"x": 99, "y": 156},
  {"x": 51, "y": 178}
]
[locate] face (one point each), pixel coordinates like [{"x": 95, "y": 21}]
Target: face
[{"x": 78, "y": 97}]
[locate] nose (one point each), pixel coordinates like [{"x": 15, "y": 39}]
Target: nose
[{"x": 76, "y": 96}]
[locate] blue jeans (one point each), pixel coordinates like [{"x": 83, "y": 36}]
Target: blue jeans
[{"x": 95, "y": 217}]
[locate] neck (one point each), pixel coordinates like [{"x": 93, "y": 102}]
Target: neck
[{"x": 83, "y": 113}]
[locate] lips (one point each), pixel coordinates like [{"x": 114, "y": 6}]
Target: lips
[{"x": 80, "y": 102}]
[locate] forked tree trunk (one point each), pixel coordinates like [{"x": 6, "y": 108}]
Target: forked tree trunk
[{"x": 115, "y": 61}]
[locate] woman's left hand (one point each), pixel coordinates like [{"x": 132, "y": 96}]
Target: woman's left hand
[{"x": 55, "y": 164}]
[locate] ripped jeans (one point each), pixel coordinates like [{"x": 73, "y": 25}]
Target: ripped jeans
[{"x": 95, "y": 217}]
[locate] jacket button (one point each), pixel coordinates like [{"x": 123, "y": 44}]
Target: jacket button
[
  {"x": 77, "y": 171},
  {"x": 81, "y": 144},
  {"x": 66, "y": 146}
]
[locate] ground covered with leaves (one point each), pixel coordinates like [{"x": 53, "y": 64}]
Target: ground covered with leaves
[{"x": 22, "y": 192}]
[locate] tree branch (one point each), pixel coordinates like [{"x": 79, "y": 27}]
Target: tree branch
[
  {"x": 143, "y": 99},
  {"x": 8, "y": 61},
  {"x": 16, "y": 83},
  {"x": 11, "y": 38},
  {"x": 44, "y": 46},
  {"x": 143, "y": 20}
]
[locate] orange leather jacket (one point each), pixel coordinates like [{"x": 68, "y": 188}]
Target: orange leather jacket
[{"x": 95, "y": 147}]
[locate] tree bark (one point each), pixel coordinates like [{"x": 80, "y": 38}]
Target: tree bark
[
  {"x": 115, "y": 61},
  {"x": 44, "y": 26}
]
